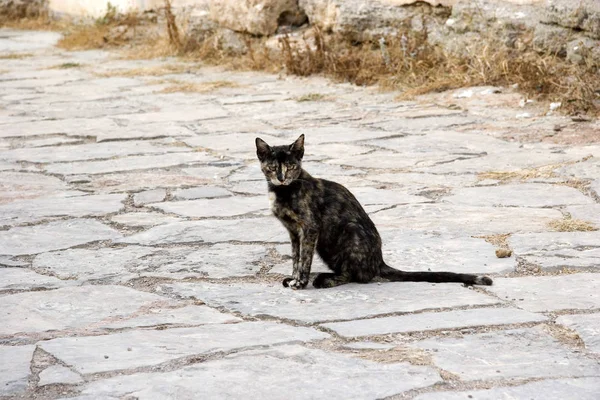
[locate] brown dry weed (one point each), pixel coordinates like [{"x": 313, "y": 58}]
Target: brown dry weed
[
  {"x": 191, "y": 87},
  {"x": 571, "y": 225}
]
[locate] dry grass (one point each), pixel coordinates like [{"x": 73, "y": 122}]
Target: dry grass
[
  {"x": 15, "y": 56},
  {"x": 202, "y": 87},
  {"x": 66, "y": 65},
  {"x": 542, "y": 172},
  {"x": 312, "y": 97},
  {"x": 571, "y": 225}
]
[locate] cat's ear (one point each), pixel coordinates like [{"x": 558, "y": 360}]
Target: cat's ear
[
  {"x": 262, "y": 149},
  {"x": 298, "y": 147}
]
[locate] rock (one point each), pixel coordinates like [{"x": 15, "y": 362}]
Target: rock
[
  {"x": 518, "y": 353},
  {"x": 202, "y": 192},
  {"x": 135, "y": 181},
  {"x": 152, "y": 347},
  {"x": 344, "y": 302},
  {"x": 262, "y": 373},
  {"x": 24, "y": 279},
  {"x": 15, "y": 9},
  {"x": 586, "y": 326},
  {"x": 590, "y": 212},
  {"x": 503, "y": 253},
  {"x": 14, "y": 369},
  {"x": 57, "y": 374},
  {"x": 556, "y": 250},
  {"x": 583, "y": 15},
  {"x": 131, "y": 163},
  {"x": 143, "y": 219},
  {"x": 584, "y": 50},
  {"x": 257, "y": 17},
  {"x": 433, "y": 321},
  {"x": 266, "y": 229},
  {"x": 69, "y": 308},
  {"x": 362, "y": 21},
  {"x": 53, "y": 236},
  {"x": 566, "y": 389},
  {"x": 34, "y": 210},
  {"x": 70, "y": 127},
  {"x": 519, "y": 195},
  {"x": 189, "y": 315},
  {"x": 212, "y": 208},
  {"x": 550, "y": 293},
  {"x": 149, "y": 196}
]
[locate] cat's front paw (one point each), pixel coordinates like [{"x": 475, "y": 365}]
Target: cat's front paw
[{"x": 294, "y": 283}]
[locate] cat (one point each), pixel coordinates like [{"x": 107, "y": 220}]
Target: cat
[{"x": 324, "y": 216}]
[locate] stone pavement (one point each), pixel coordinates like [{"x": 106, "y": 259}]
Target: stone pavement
[{"x": 138, "y": 259}]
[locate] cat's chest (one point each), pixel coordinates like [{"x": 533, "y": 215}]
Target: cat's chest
[{"x": 283, "y": 208}]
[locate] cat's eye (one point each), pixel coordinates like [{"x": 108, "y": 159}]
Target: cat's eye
[
  {"x": 292, "y": 166},
  {"x": 271, "y": 168}
]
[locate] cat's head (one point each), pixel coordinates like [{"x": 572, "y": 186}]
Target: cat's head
[{"x": 281, "y": 164}]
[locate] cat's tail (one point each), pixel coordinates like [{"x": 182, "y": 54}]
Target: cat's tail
[{"x": 395, "y": 275}]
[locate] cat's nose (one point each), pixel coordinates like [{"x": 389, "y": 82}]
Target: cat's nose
[{"x": 281, "y": 179}]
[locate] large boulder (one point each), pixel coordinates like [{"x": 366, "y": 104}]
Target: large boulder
[
  {"x": 361, "y": 20},
  {"x": 581, "y": 15},
  {"x": 257, "y": 17}
]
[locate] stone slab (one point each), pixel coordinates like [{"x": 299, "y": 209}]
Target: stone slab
[
  {"x": 87, "y": 355},
  {"x": 69, "y": 308},
  {"x": 70, "y": 127},
  {"x": 24, "y": 279},
  {"x": 189, "y": 315},
  {"x": 34, "y": 210},
  {"x": 149, "y": 196},
  {"x": 53, "y": 236},
  {"x": 556, "y": 250},
  {"x": 57, "y": 374},
  {"x": 340, "y": 303},
  {"x": 210, "y": 208},
  {"x": 140, "y": 180},
  {"x": 550, "y": 293},
  {"x": 465, "y": 220},
  {"x": 589, "y": 213},
  {"x": 266, "y": 229},
  {"x": 89, "y": 151},
  {"x": 564, "y": 389},
  {"x": 434, "y": 321},
  {"x": 22, "y": 185},
  {"x": 367, "y": 195},
  {"x": 181, "y": 114},
  {"x": 14, "y": 369},
  {"x": 263, "y": 373},
  {"x": 587, "y": 327},
  {"x": 421, "y": 251},
  {"x": 519, "y": 195},
  {"x": 130, "y": 163},
  {"x": 202, "y": 192},
  {"x": 143, "y": 219},
  {"x": 518, "y": 353}
]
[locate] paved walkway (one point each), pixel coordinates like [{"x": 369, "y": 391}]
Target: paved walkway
[{"x": 139, "y": 260}]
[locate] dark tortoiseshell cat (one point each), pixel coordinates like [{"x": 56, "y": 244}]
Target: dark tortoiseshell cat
[{"x": 325, "y": 216}]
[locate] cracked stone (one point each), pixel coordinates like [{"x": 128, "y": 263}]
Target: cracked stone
[
  {"x": 266, "y": 229},
  {"x": 550, "y": 293},
  {"x": 589, "y": 213},
  {"x": 459, "y": 219},
  {"x": 519, "y": 195},
  {"x": 129, "y": 163},
  {"x": 69, "y": 308},
  {"x": 189, "y": 315},
  {"x": 22, "y": 186},
  {"x": 556, "y": 250},
  {"x": 34, "y": 210},
  {"x": 143, "y": 219},
  {"x": 434, "y": 321},
  {"x": 181, "y": 114},
  {"x": 24, "y": 279},
  {"x": 203, "y": 192},
  {"x": 149, "y": 196},
  {"x": 518, "y": 353},
  {"x": 14, "y": 369},
  {"x": 263, "y": 373},
  {"x": 339, "y": 303},
  {"x": 587, "y": 327},
  {"x": 53, "y": 236},
  {"x": 565, "y": 389},
  {"x": 222, "y": 207},
  {"x": 151, "y": 347},
  {"x": 57, "y": 374},
  {"x": 134, "y": 181}
]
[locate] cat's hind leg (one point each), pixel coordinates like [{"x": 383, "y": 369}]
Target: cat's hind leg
[{"x": 329, "y": 280}]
